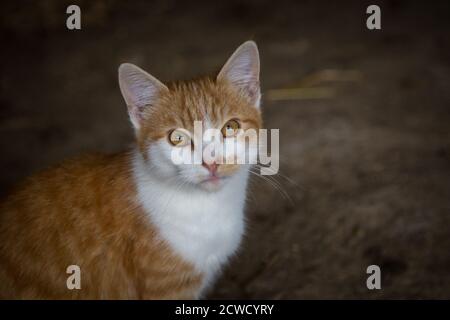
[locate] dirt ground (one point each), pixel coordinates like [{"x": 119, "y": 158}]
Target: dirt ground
[{"x": 366, "y": 166}]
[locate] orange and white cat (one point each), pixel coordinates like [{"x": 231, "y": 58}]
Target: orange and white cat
[{"x": 138, "y": 225}]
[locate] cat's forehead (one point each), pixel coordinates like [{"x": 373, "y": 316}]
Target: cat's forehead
[
  {"x": 199, "y": 100},
  {"x": 203, "y": 100}
]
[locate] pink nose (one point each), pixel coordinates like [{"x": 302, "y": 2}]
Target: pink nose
[{"x": 212, "y": 167}]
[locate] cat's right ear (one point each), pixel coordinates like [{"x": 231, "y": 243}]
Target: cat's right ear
[{"x": 140, "y": 91}]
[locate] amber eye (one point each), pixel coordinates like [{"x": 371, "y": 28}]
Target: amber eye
[
  {"x": 230, "y": 128},
  {"x": 179, "y": 138}
]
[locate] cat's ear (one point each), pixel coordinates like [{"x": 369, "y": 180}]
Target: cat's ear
[
  {"x": 139, "y": 89},
  {"x": 242, "y": 71}
]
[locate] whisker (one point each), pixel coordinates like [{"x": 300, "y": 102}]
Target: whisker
[
  {"x": 289, "y": 180},
  {"x": 275, "y": 184}
]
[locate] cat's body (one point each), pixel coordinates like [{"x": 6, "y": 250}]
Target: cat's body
[
  {"x": 94, "y": 220},
  {"x": 144, "y": 240},
  {"x": 136, "y": 225}
]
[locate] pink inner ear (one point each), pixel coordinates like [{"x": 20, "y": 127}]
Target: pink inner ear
[
  {"x": 253, "y": 90},
  {"x": 242, "y": 71},
  {"x": 139, "y": 89}
]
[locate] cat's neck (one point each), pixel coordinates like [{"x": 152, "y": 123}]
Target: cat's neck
[{"x": 203, "y": 227}]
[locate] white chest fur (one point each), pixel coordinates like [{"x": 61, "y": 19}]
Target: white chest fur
[{"x": 204, "y": 228}]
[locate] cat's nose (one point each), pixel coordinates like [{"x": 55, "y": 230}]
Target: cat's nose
[{"x": 212, "y": 167}]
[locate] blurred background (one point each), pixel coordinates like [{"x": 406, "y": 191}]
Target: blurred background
[{"x": 363, "y": 115}]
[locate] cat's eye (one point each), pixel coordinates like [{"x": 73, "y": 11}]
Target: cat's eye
[
  {"x": 231, "y": 128},
  {"x": 179, "y": 138}
]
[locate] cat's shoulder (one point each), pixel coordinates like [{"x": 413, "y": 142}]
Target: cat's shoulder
[{"x": 83, "y": 173}]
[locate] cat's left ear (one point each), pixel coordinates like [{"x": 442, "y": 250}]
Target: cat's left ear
[
  {"x": 242, "y": 71},
  {"x": 140, "y": 91}
]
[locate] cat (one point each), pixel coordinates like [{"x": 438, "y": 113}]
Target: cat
[{"x": 137, "y": 225}]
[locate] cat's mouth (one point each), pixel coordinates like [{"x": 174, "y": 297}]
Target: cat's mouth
[{"x": 213, "y": 179}]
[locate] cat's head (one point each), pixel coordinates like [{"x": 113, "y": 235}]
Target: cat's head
[{"x": 164, "y": 118}]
